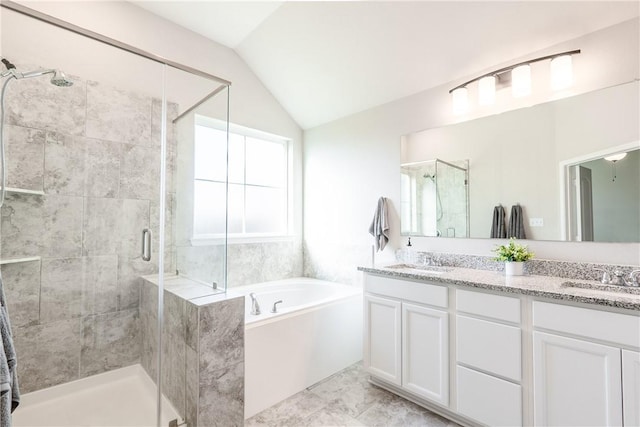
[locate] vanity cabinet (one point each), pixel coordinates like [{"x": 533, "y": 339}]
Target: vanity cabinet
[
  {"x": 382, "y": 338},
  {"x": 407, "y": 336},
  {"x": 582, "y": 372},
  {"x": 489, "y": 358}
]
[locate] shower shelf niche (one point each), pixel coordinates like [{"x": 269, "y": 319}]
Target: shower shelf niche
[
  {"x": 17, "y": 260},
  {"x": 24, "y": 191}
]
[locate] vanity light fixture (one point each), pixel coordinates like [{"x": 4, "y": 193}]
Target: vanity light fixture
[{"x": 520, "y": 76}]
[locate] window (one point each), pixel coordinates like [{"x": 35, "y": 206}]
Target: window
[{"x": 258, "y": 182}]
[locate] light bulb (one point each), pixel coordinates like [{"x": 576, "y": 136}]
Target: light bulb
[
  {"x": 521, "y": 81},
  {"x": 561, "y": 72},
  {"x": 460, "y": 100},
  {"x": 487, "y": 90}
]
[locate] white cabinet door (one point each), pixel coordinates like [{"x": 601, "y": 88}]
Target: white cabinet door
[
  {"x": 425, "y": 352},
  {"x": 382, "y": 354},
  {"x": 576, "y": 383},
  {"x": 631, "y": 387}
]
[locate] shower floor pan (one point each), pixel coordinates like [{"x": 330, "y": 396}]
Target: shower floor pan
[{"x": 123, "y": 397}]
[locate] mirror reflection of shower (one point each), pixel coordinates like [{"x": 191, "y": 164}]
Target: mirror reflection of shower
[
  {"x": 432, "y": 178},
  {"x": 58, "y": 78},
  {"x": 434, "y": 199}
]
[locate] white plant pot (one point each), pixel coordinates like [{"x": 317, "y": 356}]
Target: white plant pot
[{"x": 514, "y": 268}]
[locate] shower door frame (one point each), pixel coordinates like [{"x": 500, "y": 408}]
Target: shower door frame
[{"x": 224, "y": 84}]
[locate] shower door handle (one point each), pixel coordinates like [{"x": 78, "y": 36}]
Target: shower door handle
[{"x": 146, "y": 244}]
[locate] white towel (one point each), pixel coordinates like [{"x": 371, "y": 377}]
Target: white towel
[{"x": 379, "y": 227}]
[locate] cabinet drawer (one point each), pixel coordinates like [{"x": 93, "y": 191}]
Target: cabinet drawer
[
  {"x": 489, "y": 346},
  {"x": 488, "y": 305},
  {"x": 423, "y": 293},
  {"x": 618, "y": 328},
  {"x": 487, "y": 399}
]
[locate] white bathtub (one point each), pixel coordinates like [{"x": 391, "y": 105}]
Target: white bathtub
[{"x": 316, "y": 333}]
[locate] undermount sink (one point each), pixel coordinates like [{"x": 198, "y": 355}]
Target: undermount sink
[
  {"x": 419, "y": 269},
  {"x": 603, "y": 287}
]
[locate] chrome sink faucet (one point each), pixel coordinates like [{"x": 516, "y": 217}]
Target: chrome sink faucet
[
  {"x": 619, "y": 279},
  {"x": 606, "y": 278},
  {"x": 634, "y": 278},
  {"x": 255, "y": 307}
]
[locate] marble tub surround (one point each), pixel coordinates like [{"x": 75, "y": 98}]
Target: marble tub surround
[
  {"x": 202, "y": 349},
  {"x": 534, "y": 285},
  {"x": 542, "y": 267},
  {"x": 93, "y": 150}
]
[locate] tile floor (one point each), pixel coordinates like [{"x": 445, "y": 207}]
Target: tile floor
[{"x": 346, "y": 399}]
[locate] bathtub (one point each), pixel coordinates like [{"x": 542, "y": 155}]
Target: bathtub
[{"x": 316, "y": 333}]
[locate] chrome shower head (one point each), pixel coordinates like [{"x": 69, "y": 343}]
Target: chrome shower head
[{"x": 60, "y": 79}]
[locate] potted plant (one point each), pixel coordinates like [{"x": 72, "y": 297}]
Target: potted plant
[{"x": 514, "y": 255}]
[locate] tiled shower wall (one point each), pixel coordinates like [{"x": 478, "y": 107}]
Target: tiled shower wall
[{"x": 94, "y": 150}]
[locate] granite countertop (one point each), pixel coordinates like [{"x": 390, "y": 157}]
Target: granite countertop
[{"x": 542, "y": 286}]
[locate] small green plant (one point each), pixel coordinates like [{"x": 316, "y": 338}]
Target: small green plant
[{"x": 513, "y": 252}]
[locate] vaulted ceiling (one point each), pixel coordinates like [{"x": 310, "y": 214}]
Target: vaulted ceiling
[{"x": 325, "y": 60}]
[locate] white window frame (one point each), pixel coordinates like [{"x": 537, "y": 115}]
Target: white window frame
[{"x": 202, "y": 239}]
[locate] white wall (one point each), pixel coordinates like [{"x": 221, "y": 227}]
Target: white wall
[{"x": 351, "y": 162}]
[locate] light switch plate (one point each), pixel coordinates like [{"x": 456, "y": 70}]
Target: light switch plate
[{"x": 536, "y": 222}]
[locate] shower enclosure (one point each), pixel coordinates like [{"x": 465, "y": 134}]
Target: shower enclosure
[
  {"x": 434, "y": 198},
  {"x": 96, "y": 196}
]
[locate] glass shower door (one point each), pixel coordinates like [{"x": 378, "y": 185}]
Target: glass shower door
[{"x": 83, "y": 167}]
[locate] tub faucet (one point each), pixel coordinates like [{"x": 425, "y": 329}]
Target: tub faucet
[
  {"x": 255, "y": 307},
  {"x": 275, "y": 306}
]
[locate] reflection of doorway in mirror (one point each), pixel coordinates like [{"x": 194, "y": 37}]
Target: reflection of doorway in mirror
[
  {"x": 598, "y": 207},
  {"x": 582, "y": 198}
]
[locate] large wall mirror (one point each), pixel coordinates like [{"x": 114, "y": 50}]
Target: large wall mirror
[{"x": 562, "y": 162}]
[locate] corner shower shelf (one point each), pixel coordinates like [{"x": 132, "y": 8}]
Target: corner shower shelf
[
  {"x": 24, "y": 191},
  {"x": 17, "y": 260}
]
